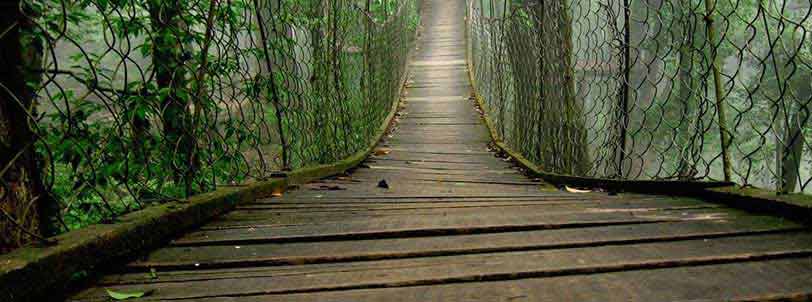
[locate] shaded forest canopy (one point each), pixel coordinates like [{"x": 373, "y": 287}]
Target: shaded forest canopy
[
  {"x": 651, "y": 89},
  {"x": 112, "y": 105}
]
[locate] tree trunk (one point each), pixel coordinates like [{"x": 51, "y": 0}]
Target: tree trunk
[
  {"x": 564, "y": 141},
  {"x": 686, "y": 167},
  {"x": 794, "y": 138},
  {"x": 342, "y": 120},
  {"x": 25, "y": 205},
  {"x": 522, "y": 60},
  {"x": 796, "y": 89},
  {"x": 793, "y": 151},
  {"x": 319, "y": 80},
  {"x": 686, "y": 129},
  {"x": 168, "y": 62}
]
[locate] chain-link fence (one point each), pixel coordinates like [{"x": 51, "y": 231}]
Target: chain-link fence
[
  {"x": 108, "y": 106},
  {"x": 650, "y": 89}
]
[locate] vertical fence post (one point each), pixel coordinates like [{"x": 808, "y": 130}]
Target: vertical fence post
[
  {"x": 274, "y": 93},
  {"x": 624, "y": 88},
  {"x": 710, "y": 7}
]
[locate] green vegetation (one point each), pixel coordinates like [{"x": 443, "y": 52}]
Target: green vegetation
[
  {"x": 133, "y": 103},
  {"x": 681, "y": 89}
]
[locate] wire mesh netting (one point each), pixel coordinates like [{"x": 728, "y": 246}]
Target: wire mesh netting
[
  {"x": 109, "y": 106},
  {"x": 650, "y": 89}
]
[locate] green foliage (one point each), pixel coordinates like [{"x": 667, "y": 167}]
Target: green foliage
[
  {"x": 119, "y": 296},
  {"x": 142, "y": 102},
  {"x": 761, "y": 49}
]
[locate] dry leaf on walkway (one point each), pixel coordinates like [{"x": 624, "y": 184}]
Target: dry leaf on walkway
[
  {"x": 330, "y": 188},
  {"x": 573, "y": 190},
  {"x": 382, "y": 151}
]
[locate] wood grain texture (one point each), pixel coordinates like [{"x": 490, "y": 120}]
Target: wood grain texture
[{"x": 456, "y": 223}]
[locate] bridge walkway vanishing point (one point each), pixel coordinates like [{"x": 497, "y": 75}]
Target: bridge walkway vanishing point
[{"x": 459, "y": 224}]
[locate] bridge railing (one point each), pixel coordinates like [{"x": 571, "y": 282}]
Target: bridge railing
[
  {"x": 650, "y": 89},
  {"x": 109, "y": 106}
]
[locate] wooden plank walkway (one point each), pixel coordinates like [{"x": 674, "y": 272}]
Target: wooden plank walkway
[{"x": 458, "y": 224}]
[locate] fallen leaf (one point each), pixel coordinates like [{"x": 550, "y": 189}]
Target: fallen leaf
[
  {"x": 573, "y": 190},
  {"x": 153, "y": 273},
  {"x": 124, "y": 296},
  {"x": 382, "y": 151},
  {"x": 329, "y": 188},
  {"x": 276, "y": 194},
  {"x": 344, "y": 178}
]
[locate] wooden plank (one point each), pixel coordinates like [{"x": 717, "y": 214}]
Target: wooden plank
[
  {"x": 397, "y": 187},
  {"x": 413, "y": 156},
  {"x": 444, "y": 149},
  {"x": 393, "y": 227},
  {"x": 749, "y": 281},
  {"x": 439, "y": 140},
  {"x": 494, "y": 267},
  {"x": 461, "y": 106},
  {"x": 482, "y": 167},
  {"x": 351, "y": 207},
  {"x": 433, "y": 63},
  {"x": 305, "y": 196},
  {"x": 400, "y": 158},
  {"x": 448, "y": 209},
  {"x": 451, "y": 180},
  {"x": 297, "y": 203},
  {"x": 443, "y": 129},
  {"x": 471, "y": 133},
  {"x": 492, "y": 173},
  {"x": 440, "y": 179},
  {"x": 405, "y": 187},
  {"x": 457, "y": 98},
  {"x": 418, "y": 172},
  {"x": 344, "y": 251},
  {"x": 251, "y": 219}
]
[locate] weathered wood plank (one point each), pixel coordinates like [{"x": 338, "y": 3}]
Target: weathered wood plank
[
  {"x": 294, "y": 204},
  {"x": 252, "y": 219},
  {"x": 392, "y": 227},
  {"x": 495, "y": 267},
  {"x": 750, "y": 281},
  {"x": 316, "y": 196},
  {"x": 449, "y": 209},
  {"x": 340, "y": 251}
]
